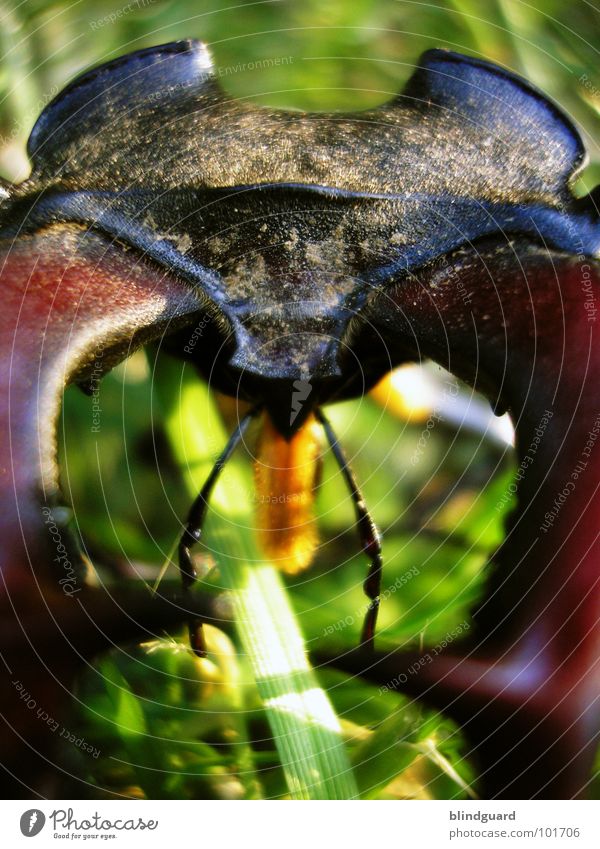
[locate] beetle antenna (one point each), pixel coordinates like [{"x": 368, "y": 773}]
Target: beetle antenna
[
  {"x": 367, "y": 530},
  {"x": 195, "y": 521}
]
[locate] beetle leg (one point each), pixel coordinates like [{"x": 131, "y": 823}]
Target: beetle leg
[
  {"x": 368, "y": 534},
  {"x": 193, "y": 528}
]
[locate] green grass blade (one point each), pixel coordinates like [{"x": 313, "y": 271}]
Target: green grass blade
[{"x": 305, "y": 728}]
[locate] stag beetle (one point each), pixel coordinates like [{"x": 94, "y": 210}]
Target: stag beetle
[{"x": 321, "y": 251}]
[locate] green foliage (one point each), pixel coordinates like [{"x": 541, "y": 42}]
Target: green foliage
[{"x": 169, "y": 725}]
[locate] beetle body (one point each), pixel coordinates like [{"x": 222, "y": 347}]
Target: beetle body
[{"x": 278, "y": 250}]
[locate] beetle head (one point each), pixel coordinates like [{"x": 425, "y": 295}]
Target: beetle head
[{"x": 287, "y": 224}]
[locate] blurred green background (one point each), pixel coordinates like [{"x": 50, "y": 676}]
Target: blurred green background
[{"x": 164, "y": 723}]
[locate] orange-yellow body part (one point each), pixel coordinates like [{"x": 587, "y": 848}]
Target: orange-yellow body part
[{"x": 285, "y": 477}]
